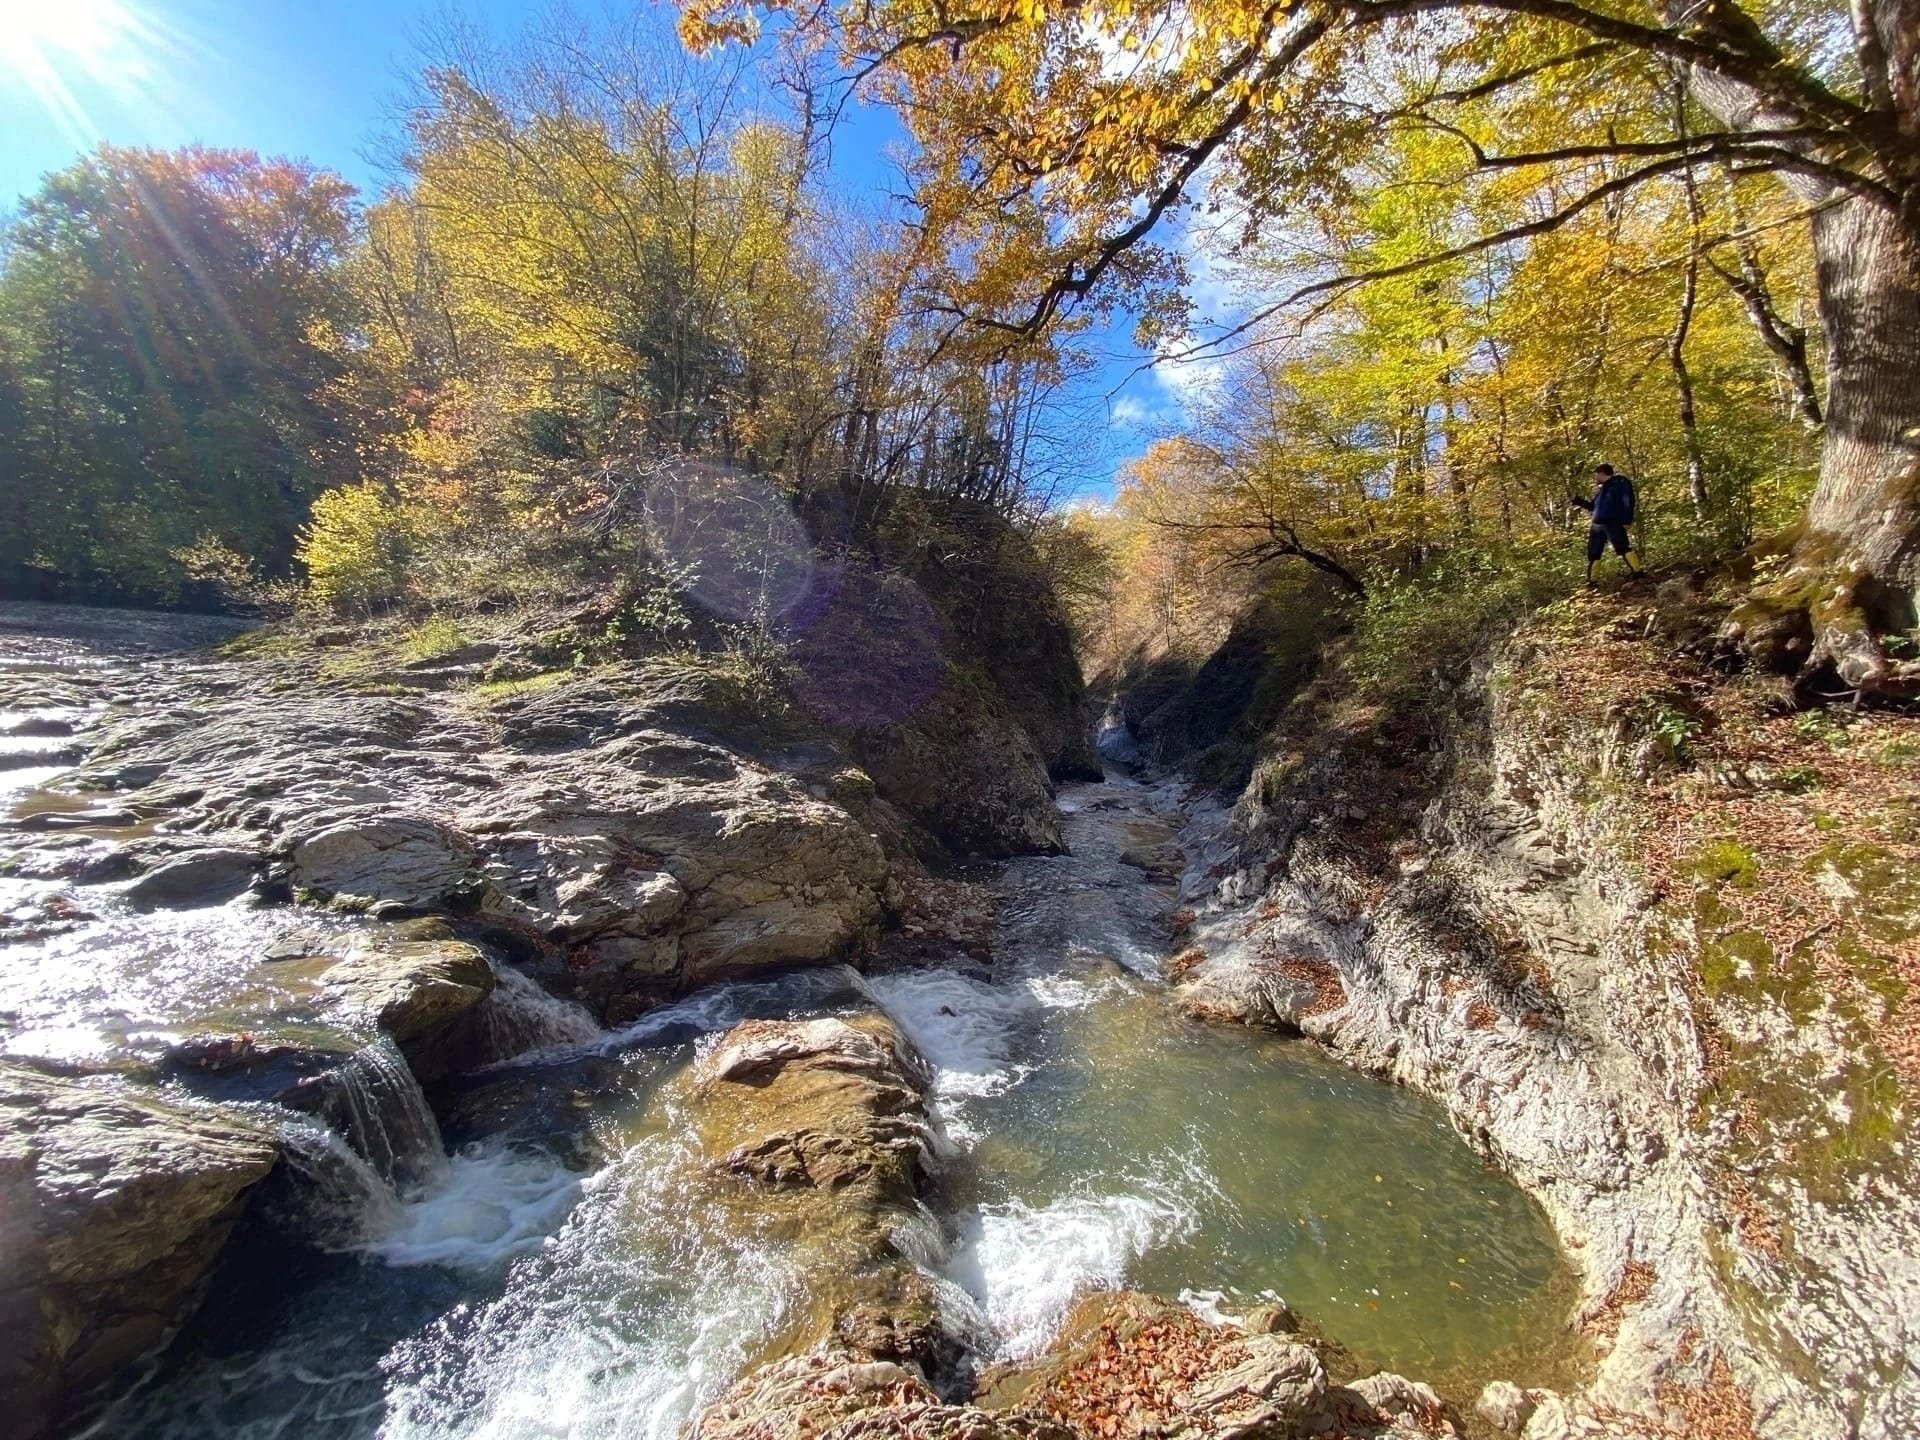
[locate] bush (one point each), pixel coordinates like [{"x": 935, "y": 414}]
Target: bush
[
  {"x": 1408, "y": 624},
  {"x": 356, "y": 549}
]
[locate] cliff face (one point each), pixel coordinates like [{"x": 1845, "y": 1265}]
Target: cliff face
[{"x": 1650, "y": 938}]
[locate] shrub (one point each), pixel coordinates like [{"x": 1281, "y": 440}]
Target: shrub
[{"x": 356, "y": 549}]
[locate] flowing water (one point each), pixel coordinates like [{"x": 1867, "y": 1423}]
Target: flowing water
[{"x": 507, "y": 1288}]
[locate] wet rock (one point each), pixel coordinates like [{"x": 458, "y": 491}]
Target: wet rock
[
  {"x": 114, "y": 1206},
  {"x": 38, "y": 727},
  {"x": 416, "y": 992},
  {"x": 818, "y": 1128},
  {"x": 1276, "y": 1317},
  {"x": 410, "y": 987},
  {"x": 199, "y": 877},
  {"x": 385, "y": 862},
  {"x": 830, "y": 1108},
  {"x": 1505, "y": 1406}
]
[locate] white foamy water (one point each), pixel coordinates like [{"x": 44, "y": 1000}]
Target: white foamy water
[
  {"x": 1025, "y": 1266},
  {"x": 488, "y": 1207},
  {"x": 966, "y": 1029},
  {"x": 625, "y": 1325}
]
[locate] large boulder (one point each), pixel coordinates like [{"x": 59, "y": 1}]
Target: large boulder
[
  {"x": 967, "y": 773},
  {"x": 383, "y": 862},
  {"x": 818, "y": 1129},
  {"x": 114, "y": 1206}
]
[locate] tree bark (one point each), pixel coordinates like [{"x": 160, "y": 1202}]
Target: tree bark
[{"x": 1867, "y": 504}]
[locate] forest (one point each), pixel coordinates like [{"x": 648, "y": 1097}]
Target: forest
[{"x": 1458, "y": 254}]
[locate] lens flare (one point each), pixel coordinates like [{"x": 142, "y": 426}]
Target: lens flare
[{"x": 60, "y": 51}]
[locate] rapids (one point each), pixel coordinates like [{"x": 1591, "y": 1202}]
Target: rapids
[{"x": 1090, "y": 1137}]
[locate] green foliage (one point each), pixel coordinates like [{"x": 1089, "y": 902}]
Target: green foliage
[
  {"x": 166, "y": 378},
  {"x": 1409, "y": 624}
]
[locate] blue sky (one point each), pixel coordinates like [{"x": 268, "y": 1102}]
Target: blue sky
[{"x": 318, "y": 79}]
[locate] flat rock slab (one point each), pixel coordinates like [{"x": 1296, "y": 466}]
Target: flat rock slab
[{"x": 114, "y": 1205}]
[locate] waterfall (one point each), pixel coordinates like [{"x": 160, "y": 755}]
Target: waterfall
[
  {"x": 380, "y": 1110},
  {"x": 521, "y": 1016},
  {"x": 340, "y": 1201}
]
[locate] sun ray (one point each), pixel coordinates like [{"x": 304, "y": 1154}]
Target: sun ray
[{"x": 62, "y": 51}]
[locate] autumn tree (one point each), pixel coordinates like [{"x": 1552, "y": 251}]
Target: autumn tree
[
  {"x": 166, "y": 372},
  {"x": 1108, "y": 121}
]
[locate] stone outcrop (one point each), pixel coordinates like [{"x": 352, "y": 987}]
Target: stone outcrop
[
  {"x": 830, "y": 1395},
  {"x": 1451, "y": 907},
  {"x": 114, "y": 1206},
  {"x": 1126, "y": 1367},
  {"x": 657, "y": 861},
  {"x": 819, "y": 1129}
]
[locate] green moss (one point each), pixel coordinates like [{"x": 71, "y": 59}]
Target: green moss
[
  {"x": 438, "y": 635},
  {"x": 492, "y": 691},
  {"x": 1725, "y": 862},
  {"x": 1735, "y": 962},
  {"x": 1876, "y": 972},
  {"x": 1873, "y": 887}
]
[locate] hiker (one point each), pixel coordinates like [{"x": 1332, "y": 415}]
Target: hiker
[{"x": 1612, "y": 507}]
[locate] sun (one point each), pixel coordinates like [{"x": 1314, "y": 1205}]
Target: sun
[{"x": 59, "y": 50}]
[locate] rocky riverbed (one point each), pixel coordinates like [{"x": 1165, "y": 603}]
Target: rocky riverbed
[{"x": 424, "y": 1058}]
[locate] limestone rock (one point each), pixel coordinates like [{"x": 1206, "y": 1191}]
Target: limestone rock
[
  {"x": 1240, "y": 987},
  {"x": 829, "y": 1106},
  {"x": 410, "y": 988},
  {"x": 1406, "y": 1405},
  {"x": 205, "y": 876},
  {"x": 114, "y": 1206},
  {"x": 818, "y": 1129},
  {"x": 968, "y": 774},
  {"x": 1505, "y": 1406},
  {"x": 405, "y": 862},
  {"x": 827, "y": 1395}
]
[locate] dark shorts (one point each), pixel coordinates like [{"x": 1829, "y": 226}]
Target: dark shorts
[{"x": 1601, "y": 534}]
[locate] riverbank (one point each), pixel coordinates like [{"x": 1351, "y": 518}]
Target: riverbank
[{"x": 1644, "y": 929}]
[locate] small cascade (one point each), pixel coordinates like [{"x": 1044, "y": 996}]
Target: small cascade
[
  {"x": 521, "y": 1016},
  {"x": 383, "y": 1114},
  {"x": 340, "y": 1201}
]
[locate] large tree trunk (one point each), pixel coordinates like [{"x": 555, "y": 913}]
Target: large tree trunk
[
  {"x": 1856, "y": 570},
  {"x": 1867, "y": 505}
]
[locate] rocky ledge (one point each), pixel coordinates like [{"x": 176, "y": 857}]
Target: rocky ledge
[
  {"x": 1484, "y": 900},
  {"x": 1126, "y": 1367}
]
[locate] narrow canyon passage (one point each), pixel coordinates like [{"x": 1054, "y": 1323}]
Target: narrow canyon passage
[{"x": 542, "y": 1255}]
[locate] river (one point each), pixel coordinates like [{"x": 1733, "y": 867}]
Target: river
[{"x": 1090, "y": 1136}]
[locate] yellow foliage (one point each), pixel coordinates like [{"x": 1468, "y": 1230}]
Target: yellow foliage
[{"x": 356, "y": 549}]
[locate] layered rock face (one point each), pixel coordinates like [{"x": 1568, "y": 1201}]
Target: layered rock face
[
  {"x": 1458, "y": 913},
  {"x": 579, "y": 816}
]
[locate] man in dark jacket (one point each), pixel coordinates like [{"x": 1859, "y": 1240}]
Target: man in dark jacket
[{"x": 1612, "y": 508}]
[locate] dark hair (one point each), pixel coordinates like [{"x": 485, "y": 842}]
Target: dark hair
[{"x": 1603, "y": 469}]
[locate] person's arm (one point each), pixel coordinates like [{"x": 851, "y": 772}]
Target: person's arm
[{"x": 1580, "y": 502}]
